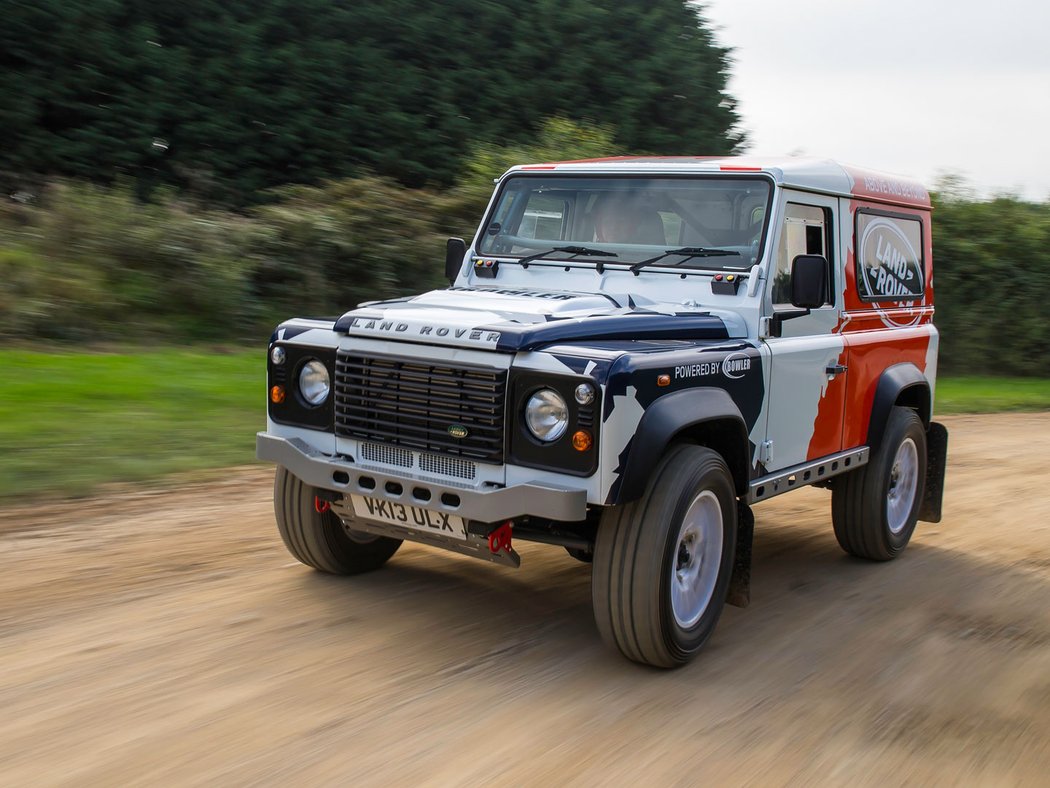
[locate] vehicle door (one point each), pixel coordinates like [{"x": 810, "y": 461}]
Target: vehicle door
[{"x": 808, "y": 360}]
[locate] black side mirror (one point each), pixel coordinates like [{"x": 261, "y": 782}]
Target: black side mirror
[
  {"x": 455, "y": 251},
  {"x": 810, "y": 274},
  {"x": 809, "y": 281}
]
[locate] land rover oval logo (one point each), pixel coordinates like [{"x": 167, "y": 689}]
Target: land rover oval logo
[
  {"x": 891, "y": 272},
  {"x": 458, "y": 431},
  {"x": 890, "y": 262}
]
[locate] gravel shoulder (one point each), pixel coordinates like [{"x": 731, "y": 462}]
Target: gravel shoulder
[{"x": 166, "y": 636}]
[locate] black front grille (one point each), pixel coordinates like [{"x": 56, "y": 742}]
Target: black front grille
[{"x": 412, "y": 404}]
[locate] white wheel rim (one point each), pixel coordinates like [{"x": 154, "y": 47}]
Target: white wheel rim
[
  {"x": 697, "y": 558},
  {"x": 904, "y": 479}
]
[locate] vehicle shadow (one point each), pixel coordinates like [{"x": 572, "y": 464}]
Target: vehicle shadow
[{"x": 809, "y": 601}]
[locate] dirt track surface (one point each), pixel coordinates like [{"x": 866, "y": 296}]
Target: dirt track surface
[{"x": 167, "y": 637}]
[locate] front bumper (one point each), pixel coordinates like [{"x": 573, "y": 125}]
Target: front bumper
[{"x": 489, "y": 505}]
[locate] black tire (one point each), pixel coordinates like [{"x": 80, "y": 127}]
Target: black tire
[
  {"x": 319, "y": 540},
  {"x": 861, "y": 510},
  {"x": 637, "y": 556}
]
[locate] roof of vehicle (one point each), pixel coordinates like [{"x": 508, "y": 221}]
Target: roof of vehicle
[{"x": 812, "y": 174}]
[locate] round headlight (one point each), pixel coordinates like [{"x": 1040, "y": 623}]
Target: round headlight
[
  {"x": 547, "y": 415},
  {"x": 277, "y": 355},
  {"x": 314, "y": 384}
]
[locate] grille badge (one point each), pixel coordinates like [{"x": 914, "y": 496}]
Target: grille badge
[{"x": 458, "y": 431}]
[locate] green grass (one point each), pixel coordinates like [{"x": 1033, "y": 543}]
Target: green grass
[
  {"x": 72, "y": 421},
  {"x": 991, "y": 395}
]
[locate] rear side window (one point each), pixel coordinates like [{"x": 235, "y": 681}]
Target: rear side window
[{"x": 889, "y": 256}]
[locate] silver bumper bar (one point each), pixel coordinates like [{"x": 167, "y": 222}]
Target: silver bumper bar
[{"x": 540, "y": 499}]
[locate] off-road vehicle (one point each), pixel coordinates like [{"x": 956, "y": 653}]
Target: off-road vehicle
[{"x": 631, "y": 353}]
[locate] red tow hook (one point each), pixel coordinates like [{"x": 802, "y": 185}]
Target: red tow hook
[
  {"x": 500, "y": 539},
  {"x": 320, "y": 505}
]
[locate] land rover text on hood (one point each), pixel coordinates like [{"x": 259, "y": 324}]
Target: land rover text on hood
[{"x": 631, "y": 354}]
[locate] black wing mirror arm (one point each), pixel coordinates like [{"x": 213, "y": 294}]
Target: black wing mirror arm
[{"x": 779, "y": 316}]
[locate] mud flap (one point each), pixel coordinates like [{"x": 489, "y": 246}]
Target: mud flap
[
  {"x": 936, "y": 459},
  {"x": 740, "y": 581}
]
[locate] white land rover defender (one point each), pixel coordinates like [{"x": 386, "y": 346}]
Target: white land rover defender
[{"x": 631, "y": 353}]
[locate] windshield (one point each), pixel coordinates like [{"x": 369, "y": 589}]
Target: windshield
[{"x": 632, "y": 219}]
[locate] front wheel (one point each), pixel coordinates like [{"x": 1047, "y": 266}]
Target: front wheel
[
  {"x": 321, "y": 539},
  {"x": 662, "y": 564}
]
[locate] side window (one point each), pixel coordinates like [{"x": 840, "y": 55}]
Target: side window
[
  {"x": 805, "y": 231},
  {"x": 889, "y": 260}
]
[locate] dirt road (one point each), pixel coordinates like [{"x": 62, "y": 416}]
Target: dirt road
[{"x": 167, "y": 637}]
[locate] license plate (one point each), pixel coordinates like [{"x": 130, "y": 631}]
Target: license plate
[{"x": 394, "y": 513}]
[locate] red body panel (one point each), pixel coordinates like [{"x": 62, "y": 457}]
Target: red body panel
[
  {"x": 828, "y": 428},
  {"x": 869, "y": 354},
  {"x": 879, "y": 335}
]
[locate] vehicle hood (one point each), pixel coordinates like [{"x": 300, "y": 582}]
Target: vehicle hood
[{"x": 510, "y": 321}]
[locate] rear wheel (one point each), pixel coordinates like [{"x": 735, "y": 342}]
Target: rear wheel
[
  {"x": 874, "y": 508},
  {"x": 322, "y": 540},
  {"x": 662, "y": 563}
]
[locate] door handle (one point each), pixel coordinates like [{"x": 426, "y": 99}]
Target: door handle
[{"x": 835, "y": 369}]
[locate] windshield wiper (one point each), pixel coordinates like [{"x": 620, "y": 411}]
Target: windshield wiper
[
  {"x": 687, "y": 253},
  {"x": 572, "y": 251}
]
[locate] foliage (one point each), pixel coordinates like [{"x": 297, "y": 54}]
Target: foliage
[
  {"x": 230, "y": 98},
  {"x": 349, "y": 241},
  {"x": 992, "y": 282},
  {"x": 98, "y": 263},
  {"x": 94, "y": 263}
]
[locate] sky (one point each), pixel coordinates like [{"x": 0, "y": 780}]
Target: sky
[{"x": 913, "y": 87}]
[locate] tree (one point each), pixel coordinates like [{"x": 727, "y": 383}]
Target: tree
[{"x": 231, "y": 97}]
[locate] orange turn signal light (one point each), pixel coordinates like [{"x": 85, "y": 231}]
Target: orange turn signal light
[
  {"x": 277, "y": 395},
  {"x": 663, "y": 380},
  {"x": 582, "y": 440}
]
